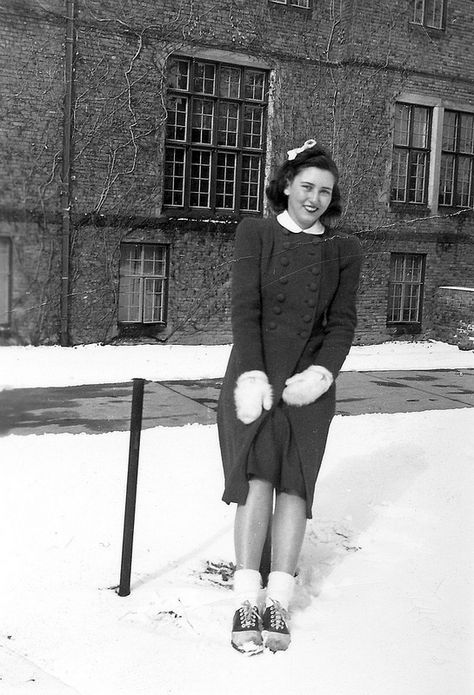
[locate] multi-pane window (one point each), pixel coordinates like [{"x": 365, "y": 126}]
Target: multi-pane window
[
  {"x": 411, "y": 153},
  {"x": 143, "y": 283},
  {"x": 215, "y": 136},
  {"x": 406, "y": 288},
  {"x": 5, "y": 281},
  {"x": 457, "y": 160},
  {"x": 429, "y": 13}
]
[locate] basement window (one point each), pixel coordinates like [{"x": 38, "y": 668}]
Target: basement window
[
  {"x": 405, "y": 292},
  {"x": 143, "y": 284}
]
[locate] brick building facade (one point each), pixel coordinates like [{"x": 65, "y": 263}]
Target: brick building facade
[{"x": 136, "y": 134}]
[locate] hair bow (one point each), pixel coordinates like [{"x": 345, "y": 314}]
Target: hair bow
[{"x": 297, "y": 150}]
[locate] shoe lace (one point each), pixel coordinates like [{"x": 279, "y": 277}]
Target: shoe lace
[
  {"x": 248, "y": 614},
  {"x": 278, "y": 616}
]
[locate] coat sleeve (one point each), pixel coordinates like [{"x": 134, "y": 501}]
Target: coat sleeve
[
  {"x": 246, "y": 305},
  {"x": 341, "y": 315}
]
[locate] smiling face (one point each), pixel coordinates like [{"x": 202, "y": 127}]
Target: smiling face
[{"x": 309, "y": 195}]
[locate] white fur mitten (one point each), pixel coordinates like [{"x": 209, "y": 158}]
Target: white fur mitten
[
  {"x": 252, "y": 393},
  {"x": 307, "y": 386}
]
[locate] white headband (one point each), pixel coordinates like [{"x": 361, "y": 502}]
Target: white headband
[{"x": 307, "y": 145}]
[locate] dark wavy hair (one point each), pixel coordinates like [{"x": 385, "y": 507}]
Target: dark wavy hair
[{"x": 316, "y": 156}]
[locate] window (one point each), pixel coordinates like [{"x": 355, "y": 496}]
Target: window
[
  {"x": 433, "y": 153},
  {"x": 411, "y": 153},
  {"x": 215, "y": 136},
  {"x": 143, "y": 285},
  {"x": 304, "y": 4},
  {"x": 429, "y": 13},
  {"x": 457, "y": 160},
  {"x": 5, "y": 281},
  {"x": 405, "y": 294}
]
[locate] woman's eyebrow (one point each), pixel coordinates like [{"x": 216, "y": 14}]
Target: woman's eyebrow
[{"x": 323, "y": 188}]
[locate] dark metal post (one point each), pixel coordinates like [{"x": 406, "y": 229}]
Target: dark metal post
[
  {"x": 66, "y": 189},
  {"x": 131, "y": 494}
]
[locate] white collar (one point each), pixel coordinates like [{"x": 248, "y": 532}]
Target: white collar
[{"x": 288, "y": 223}]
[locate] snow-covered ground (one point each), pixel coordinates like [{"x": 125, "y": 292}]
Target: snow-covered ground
[
  {"x": 384, "y": 603},
  {"x": 21, "y": 367}
]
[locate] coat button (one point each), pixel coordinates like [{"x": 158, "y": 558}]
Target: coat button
[
  {"x": 313, "y": 286},
  {"x": 284, "y": 261},
  {"x": 277, "y": 309},
  {"x": 281, "y": 297},
  {"x": 304, "y": 334},
  {"x": 310, "y": 302},
  {"x": 286, "y": 244},
  {"x": 283, "y": 281},
  {"x": 272, "y": 325},
  {"x": 315, "y": 270},
  {"x": 307, "y": 318}
]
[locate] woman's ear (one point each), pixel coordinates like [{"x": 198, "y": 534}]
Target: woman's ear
[{"x": 286, "y": 190}]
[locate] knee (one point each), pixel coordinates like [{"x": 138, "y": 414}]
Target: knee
[{"x": 261, "y": 486}]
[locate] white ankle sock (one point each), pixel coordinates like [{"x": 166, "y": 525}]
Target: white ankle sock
[
  {"x": 280, "y": 588},
  {"x": 247, "y": 586}
]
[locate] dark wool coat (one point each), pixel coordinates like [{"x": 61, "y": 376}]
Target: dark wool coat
[{"x": 293, "y": 305}]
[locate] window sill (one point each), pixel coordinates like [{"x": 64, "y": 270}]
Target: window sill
[
  {"x": 451, "y": 209},
  {"x": 431, "y": 31},
  {"x": 402, "y": 328},
  {"x": 290, "y": 8},
  {"x": 137, "y": 324},
  {"x": 206, "y": 215},
  {"x": 410, "y": 208}
]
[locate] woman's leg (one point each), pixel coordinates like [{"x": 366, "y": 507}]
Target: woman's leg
[
  {"x": 251, "y": 524},
  {"x": 288, "y": 529}
]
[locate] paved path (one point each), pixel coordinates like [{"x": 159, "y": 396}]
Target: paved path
[{"x": 106, "y": 407}]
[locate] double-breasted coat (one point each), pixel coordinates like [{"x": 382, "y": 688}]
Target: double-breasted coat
[{"x": 293, "y": 305}]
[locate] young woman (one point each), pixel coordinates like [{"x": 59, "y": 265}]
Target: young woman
[{"x": 294, "y": 284}]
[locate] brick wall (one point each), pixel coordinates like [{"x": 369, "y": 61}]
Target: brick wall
[
  {"x": 200, "y": 261},
  {"x": 454, "y": 316},
  {"x": 336, "y": 72},
  {"x": 448, "y": 246}
]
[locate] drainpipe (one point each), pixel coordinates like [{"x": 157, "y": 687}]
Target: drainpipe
[{"x": 66, "y": 195}]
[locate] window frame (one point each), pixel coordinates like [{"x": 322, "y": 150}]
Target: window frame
[
  {"x": 457, "y": 155},
  {"x": 412, "y": 325},
  {"x": 438, "y": 107},
  {"x": 214, "y": 157},
  {"x": 424, "y": 15},
  {"x": 411, "y": 151},
  {"x": 6, "y": 284},
  {"x": 143, "y": 277}
]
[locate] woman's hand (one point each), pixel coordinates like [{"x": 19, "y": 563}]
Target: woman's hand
[
  {"x": 252, "y": 394},
  {"x": 306, "y": 387}
]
